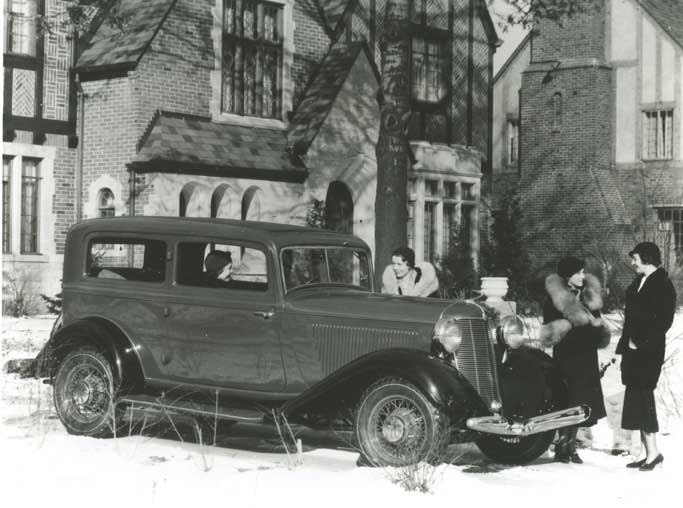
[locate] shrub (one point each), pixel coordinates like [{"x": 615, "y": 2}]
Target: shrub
[
  {"x": 455, "y": 271},
  {"x": 18, "y": 298}
]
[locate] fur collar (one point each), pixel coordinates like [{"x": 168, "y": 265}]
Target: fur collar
[
  {"x": 564, "y": 300},
  {"x": 428, "y": 283},
  {"x": 575, "y": 311}
]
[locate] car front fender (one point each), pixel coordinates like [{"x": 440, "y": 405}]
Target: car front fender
[
  {"x": 531, "y": 383},
  {"x": 440, "y": 382}
]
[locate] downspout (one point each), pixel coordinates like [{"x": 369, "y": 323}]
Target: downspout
[
  {"x": 131, "y": 191},
  {"x": 79, "y": 155}
]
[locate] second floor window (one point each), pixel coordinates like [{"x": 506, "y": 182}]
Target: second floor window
[
  {"x": 428, "y": 70},
  {"x": 658, "y": 134},
  {"x": 513, "y": 141},
  {"x": 252, "y": 58},
  {"x": 20, "y": 27}
]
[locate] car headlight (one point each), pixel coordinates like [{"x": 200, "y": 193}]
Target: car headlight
[
  {"x": 511, "y": 331},
  {"x": 448, "y": 334}
]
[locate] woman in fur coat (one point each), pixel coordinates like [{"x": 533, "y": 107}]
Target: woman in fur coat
[
  {"x": 573, "y": 327},
  {"x": 404, "y": 277}
]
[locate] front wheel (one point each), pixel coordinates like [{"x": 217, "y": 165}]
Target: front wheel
[
  {"x": 396, "y": 425},
  {"x": 84, "y": 393},
  {"x": 513, "y": 449}
]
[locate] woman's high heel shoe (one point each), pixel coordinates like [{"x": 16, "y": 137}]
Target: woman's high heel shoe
[
  {"x": 636, "y": 464},
  {"x": 649, "y": 466}
]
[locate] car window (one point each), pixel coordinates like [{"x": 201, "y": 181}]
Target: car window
[
  {"x": 304, "y": 266},
  {"x": 126, "y": 259},
  {"x": 228, "y": 266}
]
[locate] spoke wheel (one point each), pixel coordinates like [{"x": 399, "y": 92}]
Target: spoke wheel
[
  {"x": 397, "y": 425},
  {"x": 84, "y": 393}
]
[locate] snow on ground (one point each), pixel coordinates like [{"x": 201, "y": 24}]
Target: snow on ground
[{"x": 41, "y": 465}]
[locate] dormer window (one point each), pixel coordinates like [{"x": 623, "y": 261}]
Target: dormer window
[{"x": 252, "y": 58}]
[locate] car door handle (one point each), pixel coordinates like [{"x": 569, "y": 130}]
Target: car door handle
[{"x": 264, "y": 315}]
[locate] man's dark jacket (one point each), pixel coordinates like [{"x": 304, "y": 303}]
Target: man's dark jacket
[{"x": 649, "y": 314}]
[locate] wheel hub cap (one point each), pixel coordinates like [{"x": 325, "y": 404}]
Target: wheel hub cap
[
  {"x": 81, "y": 393},
  {"x": 397, "y": 425}
]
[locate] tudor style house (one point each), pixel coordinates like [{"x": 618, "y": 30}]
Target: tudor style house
[
  {"x": 254, "y": 109},
  {"x": 38, "y": 149},
  {"x": 587, "y": 125}
]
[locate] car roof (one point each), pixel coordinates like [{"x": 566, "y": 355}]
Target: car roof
[{"x": 266, "y": 232}]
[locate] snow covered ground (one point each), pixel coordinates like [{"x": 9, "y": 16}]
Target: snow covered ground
[{"x": 41, "y": 465}]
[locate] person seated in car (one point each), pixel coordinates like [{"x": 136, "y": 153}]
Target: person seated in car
[
  {"x": 218, "y": 268},
  {"x": 404, "y": 277}
]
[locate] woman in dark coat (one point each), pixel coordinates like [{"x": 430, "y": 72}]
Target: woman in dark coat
[
  {"x": 572, "y": 325},
  {"x": 650, "y": 307}
]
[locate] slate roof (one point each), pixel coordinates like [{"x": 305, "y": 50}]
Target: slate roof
[
  {"x": 122, "y": 46},
  {"x": 669, "y": 15},
  {"x": 321, "y": 94},
  {"x": 187, "y": 143}
]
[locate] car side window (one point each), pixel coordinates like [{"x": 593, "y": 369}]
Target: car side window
[
  {"x": 130, "y": 259},
  {"x": 228, "y": 266}
]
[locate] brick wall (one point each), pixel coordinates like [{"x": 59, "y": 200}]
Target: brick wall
[
  {"x": 562, "y": 208},
  {"x": 173, "y": 74},
  {"x": 63, "y": 208},
  {"x": 579, "y": 36},
  {"x": 109, "y": 137},
  {"x": 311, "y": 44}
]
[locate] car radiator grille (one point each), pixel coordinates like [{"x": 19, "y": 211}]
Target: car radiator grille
[
  {"x": 339, "y": 344},
  {"x": 476, "y": 359}
]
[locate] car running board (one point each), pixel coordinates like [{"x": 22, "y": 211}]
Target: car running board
[
  {"x": 502, "y": 426},
  {"x": 190, "y": 408}
]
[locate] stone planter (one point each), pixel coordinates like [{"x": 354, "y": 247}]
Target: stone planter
[{"x": 494, "y": 288}]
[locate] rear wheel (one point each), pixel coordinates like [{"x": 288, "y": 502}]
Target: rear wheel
[
  {"x": 84, "y": 393},
  {"x": 513, "y": 449},
  {"x": 396, "y": 425}
]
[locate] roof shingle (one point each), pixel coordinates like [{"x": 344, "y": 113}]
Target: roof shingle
[
  {"x": 176, "y": 141},
  {"x": 669, "y": 15},
  {"x": 113, "y": 45}
]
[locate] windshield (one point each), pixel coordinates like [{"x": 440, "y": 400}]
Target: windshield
[{"x": 303, "y": 266}]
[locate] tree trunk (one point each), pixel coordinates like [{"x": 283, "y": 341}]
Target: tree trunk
[{"x": 392, "y": 151}]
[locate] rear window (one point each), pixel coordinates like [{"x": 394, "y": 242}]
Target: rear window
[{"x": 126, "y": 259}]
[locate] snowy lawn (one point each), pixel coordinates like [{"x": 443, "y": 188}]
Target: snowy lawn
[{"x": 43, "y": 466}]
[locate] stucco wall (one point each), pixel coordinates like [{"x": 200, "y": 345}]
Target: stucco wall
[{"x": 344, "y": 149}]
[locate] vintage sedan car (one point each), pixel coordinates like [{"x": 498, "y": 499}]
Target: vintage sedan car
[{"x": 296, "y": 332}]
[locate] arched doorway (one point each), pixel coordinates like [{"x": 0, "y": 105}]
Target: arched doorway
[{"x": 339, "y": 208}]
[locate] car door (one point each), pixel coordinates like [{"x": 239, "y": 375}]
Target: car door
[
  {"x": 125, "y": 281},
  {"x": 223, "y": 333}
]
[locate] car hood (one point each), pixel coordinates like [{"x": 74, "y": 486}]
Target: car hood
[{"x": 356, "y": 304}]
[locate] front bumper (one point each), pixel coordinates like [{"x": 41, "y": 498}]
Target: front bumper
[{"x": 497, "y": 424}]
